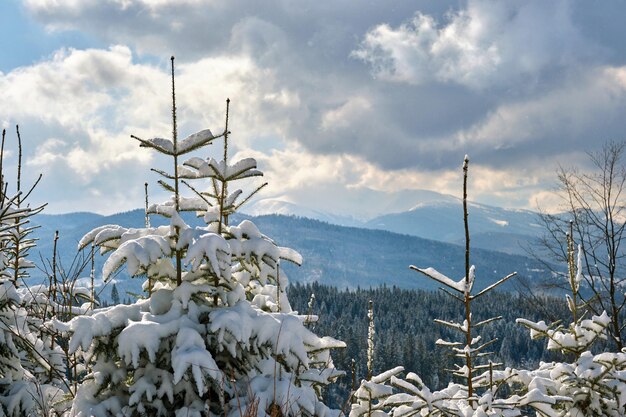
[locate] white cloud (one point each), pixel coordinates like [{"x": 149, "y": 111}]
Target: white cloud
[
  {"x": 79, "y": 108},
  {"x": 284, "y": 98},
  {"x": 490, "y": 43},
  {"x": 296, "y": 176},
  {"x": 48, "y": 152},
  {"x": 347, "y": 114},
  {"x": 84, "y": 96}
]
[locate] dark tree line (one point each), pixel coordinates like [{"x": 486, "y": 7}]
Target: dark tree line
[{"x": 406, "y": 334}]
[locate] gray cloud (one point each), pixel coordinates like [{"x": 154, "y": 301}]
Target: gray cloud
[{"x": 397, "y": 85}]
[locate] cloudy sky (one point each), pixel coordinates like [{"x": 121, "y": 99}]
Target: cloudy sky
[{"x": 348, "y": 105}]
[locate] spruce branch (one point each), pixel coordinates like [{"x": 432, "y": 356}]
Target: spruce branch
[{"x": 494, "y": 285}]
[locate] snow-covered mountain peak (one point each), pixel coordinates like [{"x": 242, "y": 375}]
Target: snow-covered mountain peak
[{"x": 287, "y": 208}]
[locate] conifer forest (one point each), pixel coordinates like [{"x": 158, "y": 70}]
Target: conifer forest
[{"x": 327, "y": 208}]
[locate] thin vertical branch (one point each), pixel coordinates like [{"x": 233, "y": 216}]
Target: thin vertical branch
[
  {"x": 223, "y": 191},
  {"x": 175, "y": 141},
  {"x": 278, "y": 284},
  {"x": 147, "y": 219},
  {"x": 54, "y": 280},
  {"x": 370, "y": 341},
  {"x": 75, "y": 373},
  {"x": 92, "y": 275},
  {"x": 468, "y": 309},
  {"x": 226, "y": 132},
  {"x": 18, "y": 202},
  {"x": 3, "y": 186},
  {"x": 179, "y": 266},
  {"x": 19, "y": 166},
  {"x": 147, "y": 222},
  {"x": 4, "y": 132},
  {"x": 52, "y": 290},
  {"x": 571, "y": 269},
  {"x": 223, "y": 220},
  {"x": 465, "y": 220}
]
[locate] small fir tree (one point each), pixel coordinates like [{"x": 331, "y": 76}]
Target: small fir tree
[
  {"x": 115, "y": 295},
  {"x": 216, "y": 335},
  {"x": 20, "y": 241},
  {"x": 460, "y": 399},
  {"x": 32, "y": 370}
]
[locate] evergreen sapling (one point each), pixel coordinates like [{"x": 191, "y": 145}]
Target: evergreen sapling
[
  {"x": 32, "y": 370},
  {"x": 216, "y": 335}
]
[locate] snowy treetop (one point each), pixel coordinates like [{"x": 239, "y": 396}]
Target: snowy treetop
[
  {"x": 195, "y": 168},
  {"x": 190, "y": 143}
]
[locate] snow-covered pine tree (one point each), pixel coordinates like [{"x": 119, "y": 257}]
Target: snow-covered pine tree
[
  {"x": 216, "y": 335},
  {"x": 19, "y": 238},
  {"x": 32, "y": 370}
]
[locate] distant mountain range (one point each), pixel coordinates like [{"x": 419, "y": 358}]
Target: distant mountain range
[
  {"x": 436, "y": 217},
  {"x": 509, "y": 231},
  {"x": 345, "y": 256}
]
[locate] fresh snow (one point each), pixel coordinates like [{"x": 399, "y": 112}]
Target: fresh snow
[
  {"x": 194, "y": 141},
  {"x": 460, "y": 286}
]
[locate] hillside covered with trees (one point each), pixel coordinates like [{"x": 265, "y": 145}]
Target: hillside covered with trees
[{"x": 345, "y": 257}]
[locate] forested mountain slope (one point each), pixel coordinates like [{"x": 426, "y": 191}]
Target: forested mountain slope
[{"x": 345, "y": 257}]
